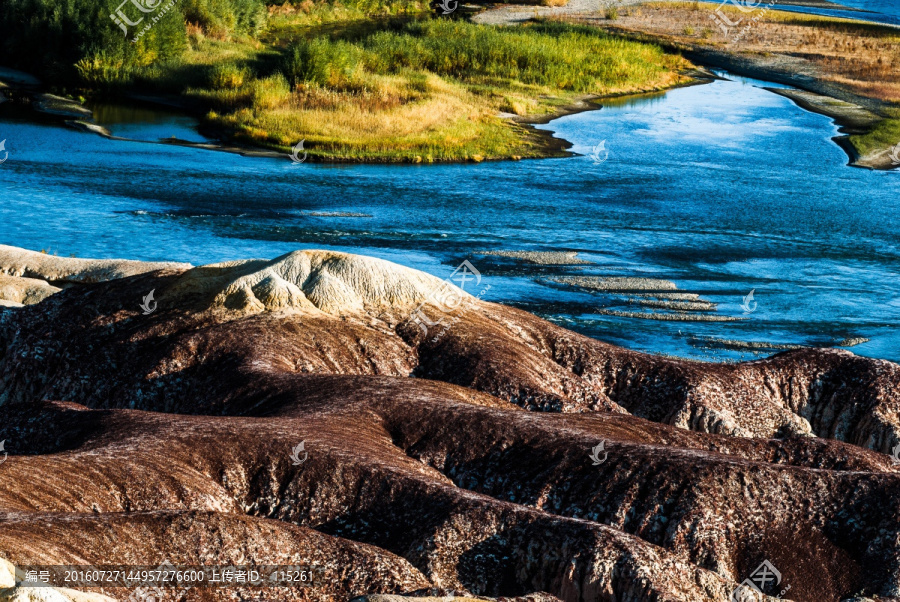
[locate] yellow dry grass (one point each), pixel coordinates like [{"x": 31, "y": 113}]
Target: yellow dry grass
[{"x": 865, "y": 58}]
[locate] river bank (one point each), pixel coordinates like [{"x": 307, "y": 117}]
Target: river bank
[
  {"x": 719, "y": 189},
  {"x": 846, "y": 64},
  {"x": 408, "y": 88},
  {"x": 78, "y": 116},
  {"x": 343, "y": 96},
  {"x": 843, "y": 62}
]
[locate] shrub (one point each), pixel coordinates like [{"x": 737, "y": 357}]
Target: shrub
[
  {"x": 228, "y": 77},
  {"x": 322, "y": 61},
  {"x": 76, "y": 41},
  {"x": 222, "y": 18},
  {"x": 100, "y": 71},
  {"x": 270, "y": 93}
]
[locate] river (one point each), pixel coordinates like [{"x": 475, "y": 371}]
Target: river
[{"x": 719, "y": 189}]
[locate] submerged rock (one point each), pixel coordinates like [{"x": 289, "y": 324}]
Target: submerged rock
[
  {"x": 542, "y": 257},
  {"x": 57, "y": 105}
]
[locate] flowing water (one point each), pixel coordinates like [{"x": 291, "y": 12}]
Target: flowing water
[
  {"x": 879, "y": 11},
  {"x": 719, "y": 189}
]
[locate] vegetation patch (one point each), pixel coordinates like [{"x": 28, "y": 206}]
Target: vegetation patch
[
  {"x": 372, "y": 80},
  {"x": 885, "y": 134},
  {"x": 860, "y": 57},
  {"x": 428, "y": 89}
]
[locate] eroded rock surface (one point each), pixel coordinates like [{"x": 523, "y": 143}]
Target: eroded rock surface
[{"x": 455, "y": 457}]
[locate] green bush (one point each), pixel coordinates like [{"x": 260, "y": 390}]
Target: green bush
[
  {"x": 76, "y": 41},
  {"x": 270, "y": 92},
  {"x": 225, "y": 76},
  {"x": 322, "y": 61},
  {"x": 563, "y": 56},
  {"x": 226, "y": 17}
]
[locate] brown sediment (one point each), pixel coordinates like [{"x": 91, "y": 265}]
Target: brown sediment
[
  {"x": 336, "y": 214},
  {"x": 852, "y": 342},
  {"x": 63, "y": 107},
  {"x": 673, "y": 296},
  {"x": 711, "y": 342},
  {"x": 852, "y": 119},
  {"x": 714, "y": 342},
  {"x": 651, "y": 293},
  {"x": 93, "y": 128}
]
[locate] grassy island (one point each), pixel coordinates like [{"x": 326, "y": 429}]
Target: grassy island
[{"x": 370, "y": 81}]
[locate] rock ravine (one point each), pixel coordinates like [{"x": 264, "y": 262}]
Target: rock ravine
[{"x": 452, "y": 449}]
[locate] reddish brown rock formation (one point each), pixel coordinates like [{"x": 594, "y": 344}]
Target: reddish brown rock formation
[{"x": 426, "y": 468}]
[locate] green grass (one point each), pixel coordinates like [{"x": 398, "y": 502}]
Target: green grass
[
  {"x": 373, "y": 80},
  {"x": 421, "y": 89},
  {"x": 564, "y": 57},
  {"x": 297, "y": 19},
  {"x": 75, "y": 42},
  {"x": 884, "y": 135}
]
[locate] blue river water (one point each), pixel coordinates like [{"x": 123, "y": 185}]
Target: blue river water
[
  {"x": 877, "y": 11},
  {"x": 720, "y": 189}
]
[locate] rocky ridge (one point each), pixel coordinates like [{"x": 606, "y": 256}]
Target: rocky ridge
[{"x": 454, "y": 457}]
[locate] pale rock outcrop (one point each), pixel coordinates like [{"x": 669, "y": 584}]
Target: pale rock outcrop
[
  {"x": 309, "y": 281},
  {"x": 72, "y": 270},
  {"x": 24, "y": 291}
]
